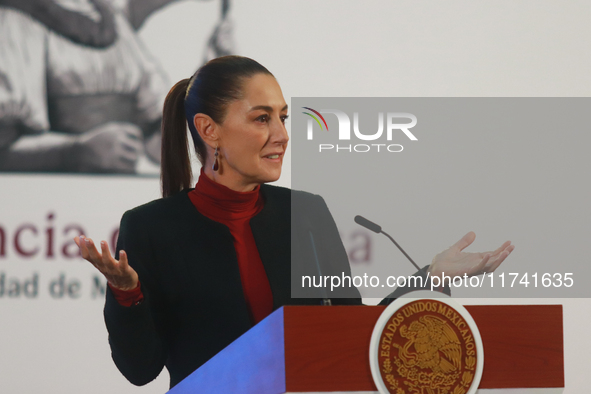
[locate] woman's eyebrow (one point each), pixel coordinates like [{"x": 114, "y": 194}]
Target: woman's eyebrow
[{"x": 266, "y": 108}]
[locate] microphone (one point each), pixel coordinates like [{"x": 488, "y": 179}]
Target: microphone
[{"x": 368, "y": 224}]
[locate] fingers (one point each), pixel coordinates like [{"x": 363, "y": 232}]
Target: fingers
[
  {"x": 132, "y": 131},
  {"x": 465, "y": 241},
  {"x": 123, "y": 262},
  {"x": 501, "y": 248},
  {"x": 129, "y": 149},
  {"x": 126, "y": 278},
  {"x": 504, "y": 254},
  {"x": 123, "y": 127},
  {"x": 132, "y": 141},
  {"x": 113, "y": 146},
  {"x": 126, "y": 160},
  {"x": 93, "y": 253},
  {"x": 110, "y": 264},
  {"x": 83, "y": 248},
  {"x": 83, "y": 251},
  {"x": 129, "y": 152},
  {"x": 118, "y": 273},
  {"x": 481, "y": 266},
  {"x": 106, "y": 258}
]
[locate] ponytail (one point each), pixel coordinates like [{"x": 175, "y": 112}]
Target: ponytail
[{"x": 175, "y": 163}]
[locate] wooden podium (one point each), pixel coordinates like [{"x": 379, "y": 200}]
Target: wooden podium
[{"x": 326, "y": 349}]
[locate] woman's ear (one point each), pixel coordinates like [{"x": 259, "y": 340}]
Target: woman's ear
[{"x": 207, "y": 129}]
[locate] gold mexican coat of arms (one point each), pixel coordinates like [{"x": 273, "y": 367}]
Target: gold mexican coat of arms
[{"x": 427, "y": 348}]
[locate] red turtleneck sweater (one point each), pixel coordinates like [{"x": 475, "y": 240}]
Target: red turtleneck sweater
[{"x": 233, "y": 209}]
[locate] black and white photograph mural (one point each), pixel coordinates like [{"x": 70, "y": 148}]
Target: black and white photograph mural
[{"x": 79, "y": 91}]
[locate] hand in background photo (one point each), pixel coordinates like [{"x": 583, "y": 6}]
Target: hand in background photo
[{"x": 110, "y": 147}]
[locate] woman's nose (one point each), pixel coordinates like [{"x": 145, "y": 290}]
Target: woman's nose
[{"x": 279, "y": 133}]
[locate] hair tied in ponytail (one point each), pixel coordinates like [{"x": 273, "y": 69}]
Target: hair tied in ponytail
[{"x": 175, "y": 163}]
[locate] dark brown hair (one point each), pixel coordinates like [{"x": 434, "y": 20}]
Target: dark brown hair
[{"x": 208, "y": 91}]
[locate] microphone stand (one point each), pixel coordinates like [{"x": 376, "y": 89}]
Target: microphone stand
[{"x": 325, "y": 299}]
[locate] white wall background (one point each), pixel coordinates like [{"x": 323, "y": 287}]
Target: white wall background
[{"x": 329, "y": 48}]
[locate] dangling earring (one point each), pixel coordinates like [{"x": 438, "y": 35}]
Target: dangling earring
[{"x": 216, "y": 164}]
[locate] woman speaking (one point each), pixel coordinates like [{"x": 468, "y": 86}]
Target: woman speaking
[{"x": 198, "y": 268}]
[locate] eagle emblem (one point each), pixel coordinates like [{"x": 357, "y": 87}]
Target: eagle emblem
[
  {"x": 427, "y": 347},
  {"x": 431, "y": 344}
]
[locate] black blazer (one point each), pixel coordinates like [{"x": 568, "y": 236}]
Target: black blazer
[{"x": 194, "y": 304}]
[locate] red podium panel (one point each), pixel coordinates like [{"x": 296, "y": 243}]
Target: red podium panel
[{"x": 320, "y": 349}]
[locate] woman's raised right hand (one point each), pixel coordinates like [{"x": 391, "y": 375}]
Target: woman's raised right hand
[{"x": 118, "y": 273}]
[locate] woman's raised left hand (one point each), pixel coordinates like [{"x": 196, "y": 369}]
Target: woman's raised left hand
[{"x": 453, "y": 262}]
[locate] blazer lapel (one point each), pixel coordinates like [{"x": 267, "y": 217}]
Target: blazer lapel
[{"x": 271, "y": 229}]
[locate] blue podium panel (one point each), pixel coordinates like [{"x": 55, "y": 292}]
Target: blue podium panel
[{"x": 262, "y": 370}]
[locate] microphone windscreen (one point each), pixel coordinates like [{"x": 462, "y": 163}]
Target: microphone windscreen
[{"x": 368, "y": 224}]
